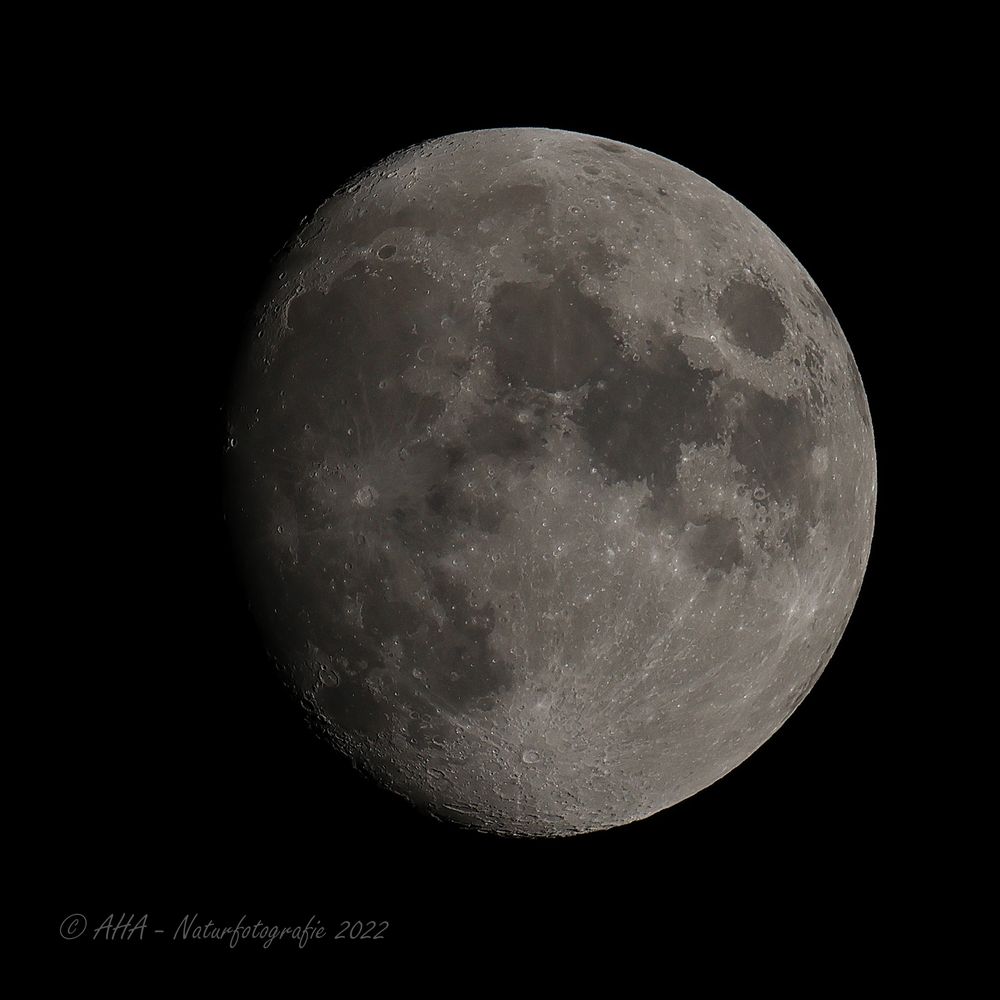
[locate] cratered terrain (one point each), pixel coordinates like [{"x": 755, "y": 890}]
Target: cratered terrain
[{"x": 553, "y": 475}]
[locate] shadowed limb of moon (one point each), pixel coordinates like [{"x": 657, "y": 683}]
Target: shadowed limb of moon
[{"x": 554, "y": 478}]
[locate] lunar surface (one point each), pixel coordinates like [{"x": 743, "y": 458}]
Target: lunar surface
[{"x": 554, "y": 477}]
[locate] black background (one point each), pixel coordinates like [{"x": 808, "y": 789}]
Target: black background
[{"x": 180, "y": 777}]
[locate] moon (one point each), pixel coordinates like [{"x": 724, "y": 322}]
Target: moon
[{"x": 553, "y": 476}]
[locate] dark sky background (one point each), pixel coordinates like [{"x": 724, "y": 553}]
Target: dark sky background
[{"x": 182, "y": 778}]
